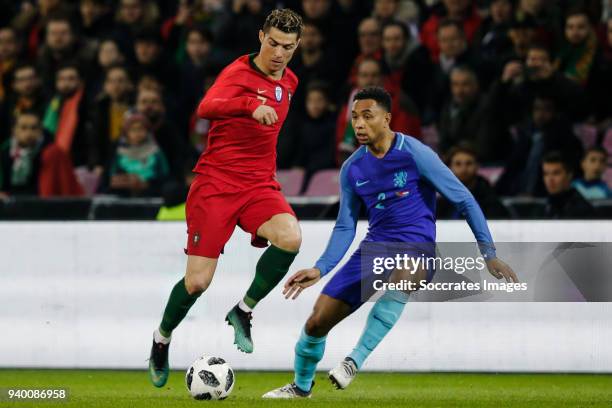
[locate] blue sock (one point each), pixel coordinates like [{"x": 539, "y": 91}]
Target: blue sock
[
  {"x": 308, "y": 352},
  {"x": 383, "y": 316}
]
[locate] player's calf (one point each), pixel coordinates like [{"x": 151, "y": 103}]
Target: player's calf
[{"x": 343, "y": 374}]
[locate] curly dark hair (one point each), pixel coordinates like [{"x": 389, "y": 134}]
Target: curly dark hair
[{"x": 286, "y": 20}]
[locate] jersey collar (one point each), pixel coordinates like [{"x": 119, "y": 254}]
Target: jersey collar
[{"x": 253, "y": 65}]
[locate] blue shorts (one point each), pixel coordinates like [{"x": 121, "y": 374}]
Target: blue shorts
[{"x": 354, "y": 285}]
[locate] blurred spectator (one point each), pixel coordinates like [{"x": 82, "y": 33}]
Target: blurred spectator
[
  {"x": 25, "y": 96},
  {"x": 237, "y": 33},
  {"x": 61, "y": 46},
  {"x": 519, "y": 83},
  {"x": 95, "y": 20},
  {"x": 544, "y": 132},
  {"x": 580, "y": 52},
  {"x": 206, "y": 14},
  {"x": 316, "y": 132},
  {"x": 385, "y": 10},
  {"x": 66, "y": 116},
  {"x": 370, "y": 45},
  {"x": 312, "y": 62},
  {"x": 591, "y": 185},
  {"x": 108, "y": 54},
  {"x": 32, "y": 19},
  {"x": 150, "y": 59},
  {"x": 522, "y": 34},
  {"x": 403, "y": 116},
  {"x": 603, "y": 83},
  {"x": 9, "y": 50},
  {"x": 173, "y": 144},
  {"x": 581, "y": 59},
  {"x": 453, "y": 52},
  {"x": 196, "y": 67},
  {"x": 463, "y": 162},
  {"x": 108, "y": 112},
  {"x": 462, "y": 11},
  {"x": 131, "y": 17},
  {"x": 31, "y": 165},
  {"x": 491, "y": 40},
  {"x": 406, "y": 62},
  {"x": 338, "y": 24},
  {"x": 465, "y": 118},
  {"x": 563, "y": 201},
  {"x": 139, "y": 168},
  {"x": 547, "y": 18}
]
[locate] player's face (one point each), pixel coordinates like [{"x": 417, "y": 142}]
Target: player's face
[
  {"x": 277, "y": 48},
  {"x": 556, "y": 178},
  {"x": 464, "y": 166},
  {"x": 370, "y": 121}
]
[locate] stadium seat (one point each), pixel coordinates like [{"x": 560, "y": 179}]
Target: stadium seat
[
  {"x": 323, "y": 183},
  {"x": 587, "y": 135},
  {"x": 607, "y": 144},
  {"x": 291, "y": 181},
  {"x": 88, "y": 180},
  {"x": 491, "y": 173},
  {"x": 607, "y": 176}
]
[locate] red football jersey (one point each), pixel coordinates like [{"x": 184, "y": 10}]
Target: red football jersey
[{"x": 241, "y": 151}]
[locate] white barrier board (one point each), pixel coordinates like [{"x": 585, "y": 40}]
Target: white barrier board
[{"x": 89, "y": 294}]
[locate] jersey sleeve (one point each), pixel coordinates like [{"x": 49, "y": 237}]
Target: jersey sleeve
[
  {"x": 442, "y": 178},
  {"x": 225, "y": 98},
  {"x": 346, "y": 224}
]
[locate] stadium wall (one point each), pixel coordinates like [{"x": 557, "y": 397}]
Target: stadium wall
[{"x": 89, "y": 294}]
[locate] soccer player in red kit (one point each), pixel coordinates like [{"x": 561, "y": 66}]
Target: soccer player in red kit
[{"x": 236, "y": 183}]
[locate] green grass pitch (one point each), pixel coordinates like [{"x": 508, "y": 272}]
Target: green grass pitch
[{"x": 131, "y": 389}]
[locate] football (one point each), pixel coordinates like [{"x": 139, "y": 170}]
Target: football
[{"x": 209, "y": 378}]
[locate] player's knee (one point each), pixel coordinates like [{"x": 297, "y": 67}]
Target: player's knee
[
  {"x": 196, "y": 283},
  {"x": 315, "y": 326},
  {"x": 289, "y": 238}
]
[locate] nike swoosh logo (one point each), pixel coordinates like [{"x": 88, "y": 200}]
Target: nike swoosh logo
[
  {"x": 260, "y": 91},
  {"x": 359, "y": 184}
]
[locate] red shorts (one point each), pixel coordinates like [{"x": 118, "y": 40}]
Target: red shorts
[{"x": 213, "y": 213}]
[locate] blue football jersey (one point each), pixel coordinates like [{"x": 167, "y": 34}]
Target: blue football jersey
[{"x": 399, "y": 195}]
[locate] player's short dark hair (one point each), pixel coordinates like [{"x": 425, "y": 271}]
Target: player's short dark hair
[
  {"x": 595, "y": 149},
  {"x": 378, "y": 94},
  {"x": 285, "y": 20},
  {"x": 557, "y": 157},
  {"x": 464, "y": 148}
]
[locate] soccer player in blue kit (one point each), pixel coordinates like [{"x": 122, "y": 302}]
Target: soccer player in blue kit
[{"x": 396, "y": 178}]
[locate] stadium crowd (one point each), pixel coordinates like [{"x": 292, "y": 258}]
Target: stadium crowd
[{"x": 514, "y": 94}]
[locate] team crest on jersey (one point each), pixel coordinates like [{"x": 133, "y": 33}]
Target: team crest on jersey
[
  {"x": 278, "y": 92},
  {"x": 400, "y": 178}
]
